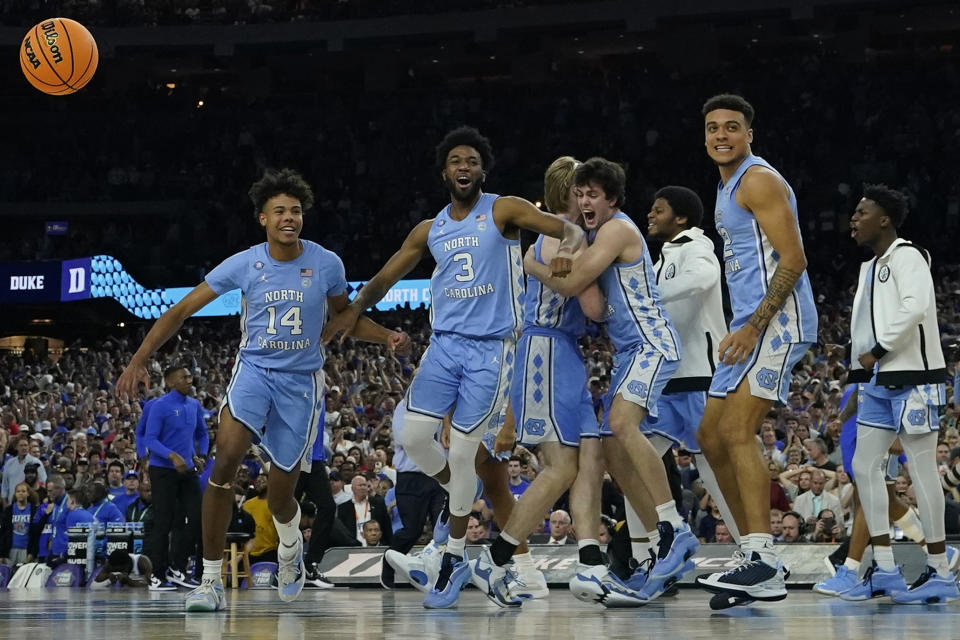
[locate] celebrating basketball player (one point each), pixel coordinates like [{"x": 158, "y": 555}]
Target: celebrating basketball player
[
  {"x": 476, "y": 293},
  {"x": 774, "y": 322},
  {"x": 648, "y": 353},
  {"x": 550, "y": 400},
  {"x": 275, "y": 396}
]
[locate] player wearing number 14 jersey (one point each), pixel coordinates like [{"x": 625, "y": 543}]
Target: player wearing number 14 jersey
[{"x": 275, "y": 395}]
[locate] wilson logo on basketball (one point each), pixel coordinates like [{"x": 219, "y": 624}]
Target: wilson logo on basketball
[{"x": 51, "y": 35}]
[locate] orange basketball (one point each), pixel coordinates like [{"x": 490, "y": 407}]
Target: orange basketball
[{"x": 58, "y": 56}]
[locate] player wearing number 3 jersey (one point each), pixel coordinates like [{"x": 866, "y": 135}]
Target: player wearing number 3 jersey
[{"x": 477, "y": 289}]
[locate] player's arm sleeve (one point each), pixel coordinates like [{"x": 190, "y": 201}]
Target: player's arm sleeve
[
  {"x": 151, "y": 435},
  {"x": 915, "y": 289},
  {"x": 229, "y": 274},
  {"x": 700, "y": 273}
]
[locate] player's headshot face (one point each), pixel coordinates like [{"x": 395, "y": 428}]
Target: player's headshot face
[
  {"x": 868, "y": 222},
  {"x": 727, "y": 137},
  {"x": 282, "y": 218},
  {"x": 463, "y": 173},
  {"x": 662, "y": 221},
  {"x": 594, "y": 205}
]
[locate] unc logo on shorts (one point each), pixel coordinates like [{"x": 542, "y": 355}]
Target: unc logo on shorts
[
  {"x": 671, "y": 271},
  {"x": 534, "y": 426},
  {"x": 917, "y": 417},
  {"x": 767, "y": 378},
  {"x": 638, "y": 388},
  {"x": 884, "y": 274}
]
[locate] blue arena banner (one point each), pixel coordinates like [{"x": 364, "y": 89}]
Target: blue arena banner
[
  {"x": 28, "y": 282},
  {"x": 103, "y": 276}
]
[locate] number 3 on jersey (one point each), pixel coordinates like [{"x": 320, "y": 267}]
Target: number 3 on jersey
[
  {"x": 467, "y": 266},
  {"x": 290, "y": 319}
]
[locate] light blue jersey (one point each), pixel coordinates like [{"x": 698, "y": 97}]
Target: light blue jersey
[
  {"x": 477, "y": 287},
  {"x": 635, "y": 315},
  {"x": 750, "y": 261},
  {"x": 546, "y": 312},
  {"x": 284, "y": 304}
]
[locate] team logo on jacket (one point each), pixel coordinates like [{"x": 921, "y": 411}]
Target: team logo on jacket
[
  {"x": 884, "y": 274},
  {"x": 671, "y": 271}
]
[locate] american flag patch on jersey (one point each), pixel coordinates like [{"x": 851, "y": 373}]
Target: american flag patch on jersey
[{"x": 306, "y": 273}]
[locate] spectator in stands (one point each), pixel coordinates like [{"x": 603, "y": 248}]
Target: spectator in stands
[
  {"x": 778, "y": 497},
  {"x": 371, "y": 533},
  {"x": 722, "y": 533},
  {"x": 817, "y": 450},
  {"x": 15, "y": 542},
  {"x": 477, "y": 531},
  {"x": 827, "y": 528},
  {"x": 115, "y": 471},
  {"x": 776, "y": 524},
  {"x": 131, "y": 491},
  {"x": 561, "y": 528},
  {"x": 13, "y": 469},
  {"x": 516, "y": 482},
  {"x": 792, "y": 526},
  {"x": 265, "y": 539},
  {"x": 811, "y": 503},
  {"x": 76, "y": 514},
  {"x": 337, "y": 488},
  {"x": 100, "y": 506},
  {"x": 362, "y": 508},
  {"x": 51, "y": 518},
  {"x": 141, "y": 510}
]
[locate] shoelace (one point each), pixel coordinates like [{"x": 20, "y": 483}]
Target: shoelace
[
  {"x": 743, "y": 562},
  {"x": 928, "y": 573},
  {"x": 288, "y": 571}
]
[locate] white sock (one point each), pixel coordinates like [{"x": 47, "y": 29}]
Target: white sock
[
  {"x": 640, "y": 549},
  {"x": 457, "y": 546},
  {"x": 523, "y": 560},
  {"x": 910, "y": 525},
  {"x": 853, "y": 565},
  {"x": 509, "y": 538},
  {"x": 211, "y": 570},
  {"x": 939, "y": 562},
  {"x": 762, "y": 543},
  {"x": 668, "y": 511},
  {"x": 654, "y": 542},
  {"x": 883, "y": 556},
  {"x": 289, "y": 533}
]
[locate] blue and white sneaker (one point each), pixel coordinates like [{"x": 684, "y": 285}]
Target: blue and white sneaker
[
  {"x": 598, "y": 584},
  {"x": 930, "y": 588},
  {"x": 494, "y": 581},
  {"x": 208, "y": 596},
  {"x": 441, "y": 529},
  {"x": 676, "y": 547},
  {"x": 291, "y": 574},
  {"x": 753, "y": 579},
  {"x": 842, "y": 581},
  {"x": 653, "y": 588},
  {"x": 454, "y": 575},
  {"x": 876, "y": 583},
  {"x": 419, "y": 569}
]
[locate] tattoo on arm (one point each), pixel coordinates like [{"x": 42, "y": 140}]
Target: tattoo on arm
[{"x": 781, "y": 286}]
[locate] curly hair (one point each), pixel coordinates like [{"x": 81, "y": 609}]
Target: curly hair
[
  {"x": 467, "y": 136},
  {"x": 276, "y": 182}
]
